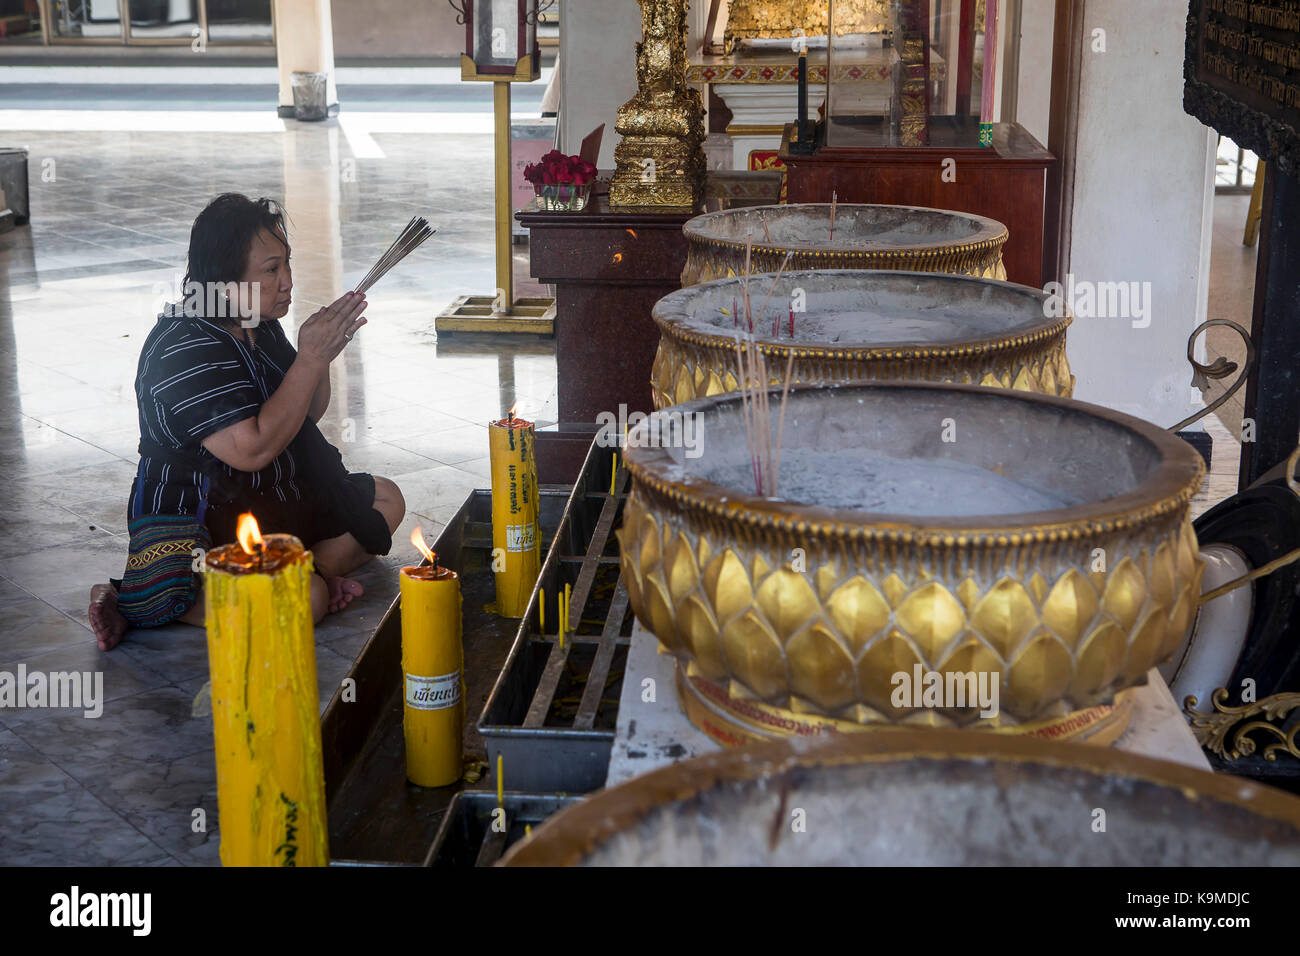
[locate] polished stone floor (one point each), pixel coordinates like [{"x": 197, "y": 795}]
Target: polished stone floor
[{"x": 79, "y": 289}]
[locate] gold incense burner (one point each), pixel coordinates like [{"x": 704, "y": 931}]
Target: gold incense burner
[
  {"x": 906, "y": 238},
  {"x": 1048, "y": 545},
  {"x": 935, "y": 798},
  {"x": 862, "y": 326}
]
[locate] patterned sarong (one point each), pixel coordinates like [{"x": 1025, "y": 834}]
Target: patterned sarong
[{"x": 160, "y": 583}]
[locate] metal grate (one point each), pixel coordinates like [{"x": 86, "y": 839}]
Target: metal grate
[
  {"x": 474, "y": 834},
  {"x": 552, "y": 713}
]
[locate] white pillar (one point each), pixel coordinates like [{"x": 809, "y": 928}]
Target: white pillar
[
  {"x": 1142, "y": 208},
  {"x": 598, "y": 61},
  {"x": 1034, "y": 85},
  {"x": 304, "y": 43}
]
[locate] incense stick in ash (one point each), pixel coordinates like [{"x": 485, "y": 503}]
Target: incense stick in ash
[
  {"x": 753, "y": 378},
  {"x": 410, "y": 239},
  {"x": 756, "y": 412},
  {"x": 762, "y": 309}
]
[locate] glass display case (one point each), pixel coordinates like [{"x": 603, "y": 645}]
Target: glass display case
[{"x": 909, "y": 72}]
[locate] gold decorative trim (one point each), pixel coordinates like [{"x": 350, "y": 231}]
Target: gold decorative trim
[
  {"x": 736, "y": 721},
  {"x": 1215, "y": 731},
  {"x": 755, "y": 129},
  {"x": 712, "y": 256},
  {"x": 913, "y": 353},
  {"x": 692, "y": 362},
  {"x": 569, "y": 837},
  {"x": 1172, "y": 488},
  {"x": 526, "y": 71},
  {"x": 764, "y": 73}
]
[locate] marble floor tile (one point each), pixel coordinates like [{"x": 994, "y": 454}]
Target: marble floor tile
[
  {"x": 123, "y": 678},
  {"x": 405, "y": 422},
  {"x": 176, "y": 651},
  {"x": 449, "y": 446},
  {"x": 381, "y": 458},
  {"x": 437, "y": 492},
  {"x": 40, "y": 524},
  {"x": 154, "y": 724},
  {"x": 51, "y": 819},
  {"x": 480, "y": 468},
  {"x": 331, "y": 667},
  {"x": 159, "y": 798},
  {"x": 63, "y": 576},
  {"x": 32, "y": 627},
  {"x": 102, "y": 512}
]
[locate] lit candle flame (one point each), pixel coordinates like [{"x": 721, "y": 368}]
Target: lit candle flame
[
  {"x": 417, "y": 539},
  {"x": 510, "y": 415},
  {"x": 632, "y": 233},
  {"x": 618, "y": 257},
  {"x": 248, "y": 533}
]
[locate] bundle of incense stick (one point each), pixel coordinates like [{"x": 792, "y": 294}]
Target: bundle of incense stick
[
  {"x": 410, "y": 239},
  {"x": 764, "y": 458},
  {"x": 762, "y": 309},
  {"x": 747, "y": 306}
]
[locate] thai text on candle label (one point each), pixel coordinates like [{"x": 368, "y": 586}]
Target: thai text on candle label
[
  {"x": 82, "y": 690},
  {"x": 75, "y": 908},
  {"x": 433, "y": 693},
  {"x": 520, "y": 537},
  {"x": 290, "y": 845}
]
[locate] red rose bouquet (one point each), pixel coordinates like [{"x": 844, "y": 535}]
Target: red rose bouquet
[{"x": 561, "y": 182}]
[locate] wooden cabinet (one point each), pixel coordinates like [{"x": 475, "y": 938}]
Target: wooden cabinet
[{"x": 1005, "y": 181}]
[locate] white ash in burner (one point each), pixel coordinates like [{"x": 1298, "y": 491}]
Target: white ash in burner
[{"x": 857, "y": 479}]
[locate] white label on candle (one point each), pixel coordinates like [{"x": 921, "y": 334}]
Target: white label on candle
[
  {"x": 519, "y": 537},
  {"x": 433, "y": 693}
]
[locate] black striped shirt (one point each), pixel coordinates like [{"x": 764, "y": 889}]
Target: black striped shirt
[{"x": 194, "y": 379}]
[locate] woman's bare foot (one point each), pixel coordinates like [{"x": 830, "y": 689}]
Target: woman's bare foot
[
  {"x": 342, "y": 592},
  {"x": 105, "y": 621}
]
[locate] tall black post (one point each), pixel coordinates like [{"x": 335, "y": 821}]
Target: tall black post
[
  {"x": 1273, "y": 390},
  {"x": 803, "y": 94}
]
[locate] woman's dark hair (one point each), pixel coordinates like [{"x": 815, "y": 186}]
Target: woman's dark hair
[{"x": 224, "y": 232}]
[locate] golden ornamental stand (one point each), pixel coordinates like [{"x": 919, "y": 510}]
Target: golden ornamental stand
[{"x": 660, "y": 161}]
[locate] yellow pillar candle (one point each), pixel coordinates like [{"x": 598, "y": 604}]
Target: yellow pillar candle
[
  {"x": 516, "y": 537},
  {"x": 265, "y": 707},
  {"x": 433, "y": 715}
]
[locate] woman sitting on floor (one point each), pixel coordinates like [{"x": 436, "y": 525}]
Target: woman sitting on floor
[{"x": 228, "y": 412}]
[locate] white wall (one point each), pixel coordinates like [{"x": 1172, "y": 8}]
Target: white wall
[
  {"x": 598, "y": 64},
  {"x": 1034, "y": 86},
  {"x": 1143, "y": 188}
]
